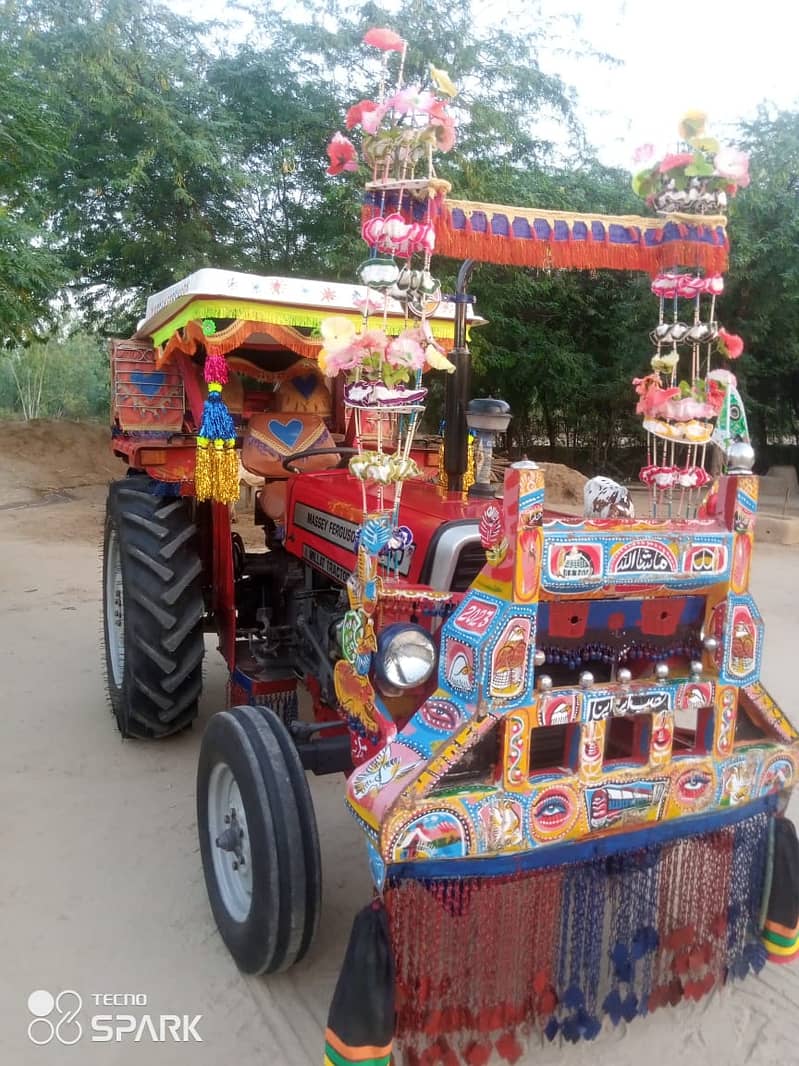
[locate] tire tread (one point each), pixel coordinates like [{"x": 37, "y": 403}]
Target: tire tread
[{"x": 163, "y": 604}]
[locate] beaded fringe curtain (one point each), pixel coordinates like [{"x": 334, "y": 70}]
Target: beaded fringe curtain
[{"x": 482, "y": 964}]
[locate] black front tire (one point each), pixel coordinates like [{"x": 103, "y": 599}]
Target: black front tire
[
  {"x": 280, "y": 921},
  {"x": 152, "y": 610}
]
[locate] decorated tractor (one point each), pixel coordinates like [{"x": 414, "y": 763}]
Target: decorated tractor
[{"x": 569, "y": 777}]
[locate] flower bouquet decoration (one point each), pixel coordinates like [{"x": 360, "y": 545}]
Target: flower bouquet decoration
[
  {"x": 698, "y": 178},
  {"x": 400, "y": 131},
  {"x": 683, "y": 412}
]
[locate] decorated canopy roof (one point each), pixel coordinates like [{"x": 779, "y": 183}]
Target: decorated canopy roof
[{"x": 283, "y": 305}]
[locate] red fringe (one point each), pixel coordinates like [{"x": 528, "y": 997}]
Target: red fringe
[
  {"x": 692, "y": 922},
  {"x": 458, "y": 971}
]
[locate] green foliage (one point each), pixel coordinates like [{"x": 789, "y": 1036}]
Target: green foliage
[
  {"x": 140, "y": 194},
  {"x": 31, "y": 143},
  {"x": 562, "y": 346},
  {"x": 62, "y": 378},
  {"x": 130, "y": 157},
  {"x": 761, "y": 301}
]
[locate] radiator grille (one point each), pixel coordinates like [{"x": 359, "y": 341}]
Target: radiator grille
[{"x": 470, "y": 562}]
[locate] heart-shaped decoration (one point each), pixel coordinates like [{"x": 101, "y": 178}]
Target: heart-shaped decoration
[
  {"x": 148, "y": 384},
  {"x": 393, "y": 235},
  {"x": 288, "y": 433},
  {"x": 305, "y": 384}
]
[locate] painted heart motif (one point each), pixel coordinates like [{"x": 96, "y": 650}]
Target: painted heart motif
[
  {"x": 288, "y": 433},
  {"x": 148, "y": 384},
  {"x": 305, "y": 384}
]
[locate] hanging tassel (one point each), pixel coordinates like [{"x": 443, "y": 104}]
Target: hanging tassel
[
  {"x": 360, "y": 1024},
  {"x": 217, "y": 468}
]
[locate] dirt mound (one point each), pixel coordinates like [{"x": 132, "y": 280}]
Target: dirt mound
[
  {"x": 563, "y": 487},
  {"x": 562, "y": 484},
  {"x": 46, "y": 456}
]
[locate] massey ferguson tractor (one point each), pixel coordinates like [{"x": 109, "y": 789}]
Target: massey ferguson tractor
[{"x": 551, "y": 727}]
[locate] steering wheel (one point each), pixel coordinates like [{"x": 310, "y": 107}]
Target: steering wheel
[{"x": 295, "y": 456}]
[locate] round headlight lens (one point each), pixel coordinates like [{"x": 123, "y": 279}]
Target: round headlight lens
[{"x": 406, "y": 657}]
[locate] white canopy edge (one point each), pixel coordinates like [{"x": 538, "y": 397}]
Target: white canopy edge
[{"x": 329, "y": 296}]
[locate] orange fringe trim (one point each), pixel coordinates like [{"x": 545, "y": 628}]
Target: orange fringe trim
[
  {"x": 587, "y": 254},
  {"x": 191, "y": 338}
]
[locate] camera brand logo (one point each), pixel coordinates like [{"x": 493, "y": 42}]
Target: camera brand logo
[
  {"x": 66, "y": 1028},
  {"x": 56, "y": 1018}
]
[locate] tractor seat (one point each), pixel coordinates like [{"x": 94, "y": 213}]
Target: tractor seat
[{"x": 272, "y": 436}]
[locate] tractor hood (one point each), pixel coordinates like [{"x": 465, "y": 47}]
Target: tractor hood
[{"x": 325, "y": 511}]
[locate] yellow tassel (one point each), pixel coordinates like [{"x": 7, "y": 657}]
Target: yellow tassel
[
  {"x": 227, "y": 472},
  {"x": 468, "y": 477},
  {"x": 202, "y": 470},
  {"x": 216, "y": 474}
]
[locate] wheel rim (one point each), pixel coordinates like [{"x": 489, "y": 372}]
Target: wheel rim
[
  {"x": 230, "y": 842},
  {"x": 115, "y": 610}
]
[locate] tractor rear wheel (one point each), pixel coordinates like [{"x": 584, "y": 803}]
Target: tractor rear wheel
[
  {"x": 258, "y": 839},
  {"x": 152, "y": 610}
]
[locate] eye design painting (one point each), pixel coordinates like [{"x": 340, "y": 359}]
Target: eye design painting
[{"x": 554, "y": 812}]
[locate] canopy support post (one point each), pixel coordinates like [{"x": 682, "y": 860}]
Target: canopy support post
[{"x": 456, "y": 397}]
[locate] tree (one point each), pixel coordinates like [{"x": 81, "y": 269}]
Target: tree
[
  {"x": 140, "y": 195},
  {"x": 761, "y": 302},
  {"x": 65, "y": 377},
  {"x": 30, "y": 146}
]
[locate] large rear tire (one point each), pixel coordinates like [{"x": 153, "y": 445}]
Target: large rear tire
[
  {"x": 258, "y": 840},
  {"x": 152, "y": 610}
]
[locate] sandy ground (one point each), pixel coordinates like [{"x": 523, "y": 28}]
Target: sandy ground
[{"x": 100, "y": 878}]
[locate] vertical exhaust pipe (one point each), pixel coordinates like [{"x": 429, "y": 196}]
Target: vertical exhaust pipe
[{"x": 456, "y": 396}]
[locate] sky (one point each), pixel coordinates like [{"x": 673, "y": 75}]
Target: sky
[{"x": 722, "y": 58}]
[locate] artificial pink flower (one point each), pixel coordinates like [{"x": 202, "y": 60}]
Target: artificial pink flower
[
  {"x": 730, "y": 344},
  {"x": 444, "y": 125},
  {"x": 643, "y": 153},
  {"x": 370, "y": 120},
  {"x": 345, "y": 358},
  {"x": 674, "y": 160},
  {"x": 357, "y": 111},
  {"x": 438, "y": 111},
  {"x": 716, "y": 391},
  {"x": 386, "y": 40},
  {"x": 341, "y": 153},
  {"x": 373, "y": 341},
  {"x": 445, "y": 135},
  {"x": 412, "y": 98},
  {"x": 733, "y": 165},
  {"x": 405, "y": 351},
  {"x": 652, "y": 395}
]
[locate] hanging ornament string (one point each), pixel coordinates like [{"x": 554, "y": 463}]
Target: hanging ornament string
[{"x": 217, "y": 466}]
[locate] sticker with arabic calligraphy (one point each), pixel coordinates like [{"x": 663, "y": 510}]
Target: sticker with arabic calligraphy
[{"x": 643, "y": 557}]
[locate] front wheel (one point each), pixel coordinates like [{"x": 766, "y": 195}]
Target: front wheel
[{"x": 258, "y": 840}]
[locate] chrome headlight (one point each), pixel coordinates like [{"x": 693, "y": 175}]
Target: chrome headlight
[{"x": 406, "y": 657}]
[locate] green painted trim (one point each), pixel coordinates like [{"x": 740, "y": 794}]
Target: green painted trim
[
  {"x": 340, "y": 1060},
  {"x": 280, "y": 314},
  {"x": 782, "y": 941}
]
